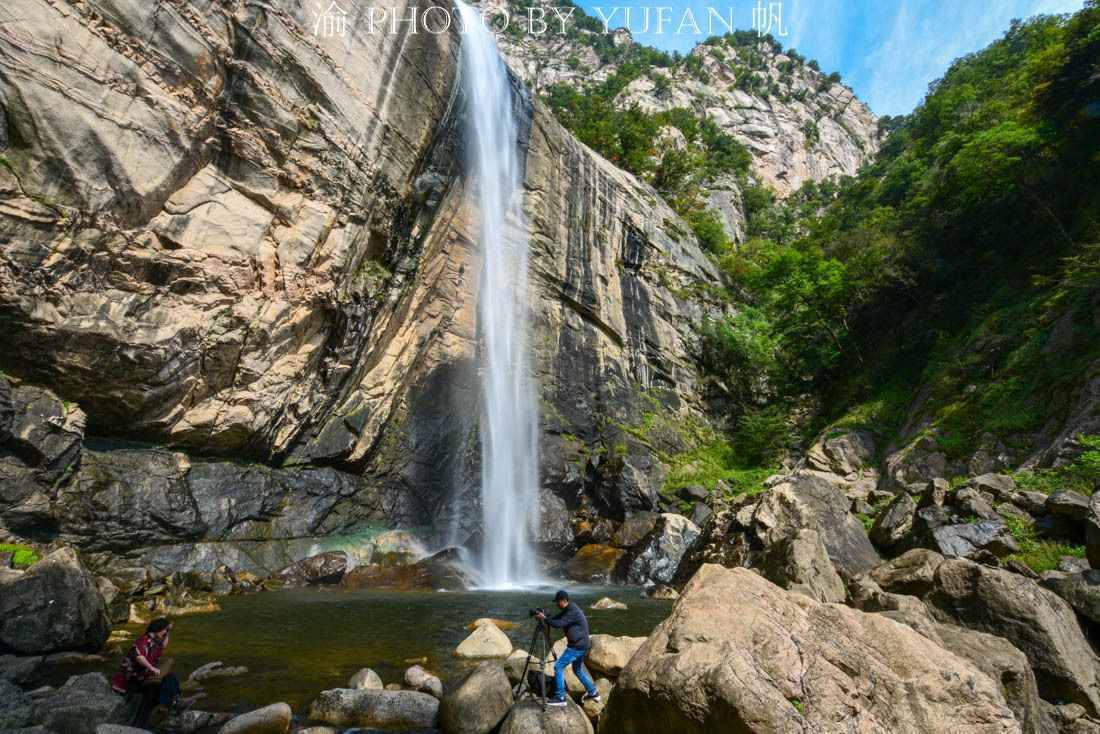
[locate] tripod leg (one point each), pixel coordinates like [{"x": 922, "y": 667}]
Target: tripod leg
[
  {"x": 526, "y": 665},
  {"x": 548, "y": 651},
  {"x": 542, "y": 664}
]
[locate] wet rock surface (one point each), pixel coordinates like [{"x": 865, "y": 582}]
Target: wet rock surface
[
  {"x": 658, "y": 555},
  {"x": 321, "y": 569}
]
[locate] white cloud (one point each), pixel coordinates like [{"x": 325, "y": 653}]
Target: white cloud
[{"x": 926, "y": 36}]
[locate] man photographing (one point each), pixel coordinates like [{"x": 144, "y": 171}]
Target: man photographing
[{"x": 572, "y": 621}]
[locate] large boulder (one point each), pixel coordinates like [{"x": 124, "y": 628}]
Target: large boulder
[
  {"x": 740, "y": 654},
  {"x": 515, "y": 663},
  {"x": 16, "y": 709},
  {"x": 479, "y": 703},
  {"x": 1035, "y": 620},
  {"x": 843, "y": 454},
  {"x": 967, "y": 539},
  {"x": 894, "y": 524},
  {"x": 913, "y": 572},
  {"x": 40, "y": 428},
  {"x": 21, "y": 669},
  {"x": 1080, "y": 590},
  {"x": 372, "y": 708},
  {"x": 1006, "y": 666},
  {"x": 320, "y": 569},
  {"x": 485, "y": 642},
  {"x": 501, "y": 624},
  {"x": 970, "y": 503},
  {"x": 365, "y": 679},
  {"x": 418, "y": 678},
  {"x": 442, "y": 570},
  {"x": 1092, "y": 531},
  {"x": 80, "y": 705},
  {"x": 635, "y": 527},
  {"x": 659, "y": 554},
  {"x": 1068, "y": 504},
  {"x": 630, "y": 483},
  {"x": 701, "y": 513},
  {"x": 806, "y": 500},
  {"x": 528, "y": 717},
  {"x": 117, "y": 603},
  {"x": 54, "y": 606},
  {"x": 273, "y": 719},
  {"x": 610, "y": 654},
  {"x": 1001, "y": 487},
  {"x": 193, "y": 721},
  {"x": 607, "y": 603},
  {"x": 800, "y": 563}
]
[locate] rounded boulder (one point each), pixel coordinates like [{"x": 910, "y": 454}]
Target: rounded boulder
[
  {"x": 419, "y": 679},
  {"x": 485, "y": 642},
  {"x": 273, "y": 719},
  {"x": 365, "y": 679},
  {"x": 373, "y": 708},
  {"x": 527, "y": 717},
  {"x": 479, "y": 704},
  {"x": 55, "y": 605}
]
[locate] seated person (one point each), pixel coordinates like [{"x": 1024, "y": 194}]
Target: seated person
[{"x": 139, "y": 674}]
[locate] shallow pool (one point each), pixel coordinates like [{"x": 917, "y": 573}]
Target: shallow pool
[{"x": 299, "y": 642}]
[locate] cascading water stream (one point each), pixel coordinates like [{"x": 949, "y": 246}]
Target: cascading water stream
[{"x": 509, "y": 419}]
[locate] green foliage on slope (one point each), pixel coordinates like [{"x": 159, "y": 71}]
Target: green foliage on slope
[
  {"x": 632, "y": 139},
  {"x": 1081, "y": 475},
  {"x": 22, "y": 555},
  {"x": 962, "y": 264},
  {"x": 1038, "y": 553}
]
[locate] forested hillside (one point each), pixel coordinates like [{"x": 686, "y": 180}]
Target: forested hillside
[
  {"x": 961, "y": 267},
  {"x": 947, "y": 298}
]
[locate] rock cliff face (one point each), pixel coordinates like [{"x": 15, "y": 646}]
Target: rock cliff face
[
  {"x": 798, "y": 123},
  {"x": 224, "y": 234}
]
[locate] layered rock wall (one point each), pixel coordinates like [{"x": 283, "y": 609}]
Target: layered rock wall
[{"x": 225, "y": 235}]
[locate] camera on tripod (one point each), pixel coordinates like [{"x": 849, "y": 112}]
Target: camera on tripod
[{"x": 533, "y": 612}]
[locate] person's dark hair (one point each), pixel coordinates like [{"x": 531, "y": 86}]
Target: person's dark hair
[
  {"x": 562, "y": 595},
  {"x": 157, "y": 625}
]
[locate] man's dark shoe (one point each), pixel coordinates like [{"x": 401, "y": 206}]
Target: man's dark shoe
[
  {"x": 555, "y": 701},
  {"x": 591, "y": 697}
]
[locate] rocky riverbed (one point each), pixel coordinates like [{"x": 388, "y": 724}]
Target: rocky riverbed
[{"x": 853, "y": 597}]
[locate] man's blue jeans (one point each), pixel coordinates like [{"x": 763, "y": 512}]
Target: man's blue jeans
[{"x": 576, "y": 659}]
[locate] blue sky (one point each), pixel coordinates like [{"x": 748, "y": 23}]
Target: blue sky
[{"x": 887, "y": 50}]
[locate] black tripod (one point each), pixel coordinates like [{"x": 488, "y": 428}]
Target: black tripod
[{"x": 540, "y": 648}]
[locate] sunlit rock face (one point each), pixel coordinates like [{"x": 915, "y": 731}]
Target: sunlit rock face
[
  {"x": 797, "y": 123},
  {"x": 224, "y": 232}
]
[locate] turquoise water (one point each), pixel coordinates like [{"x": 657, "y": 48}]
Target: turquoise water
[{"x": 297, "y": 643}]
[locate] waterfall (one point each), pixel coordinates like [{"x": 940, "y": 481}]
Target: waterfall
[{"x": 509, "y": 418}]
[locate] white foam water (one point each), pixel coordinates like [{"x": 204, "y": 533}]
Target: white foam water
[{"x": 509, "y": 416}]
